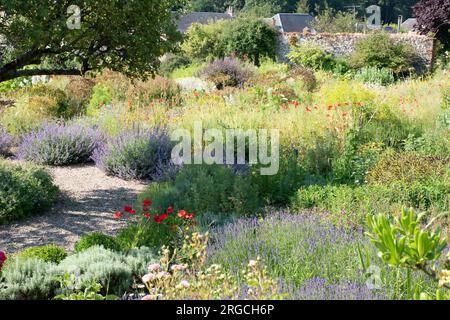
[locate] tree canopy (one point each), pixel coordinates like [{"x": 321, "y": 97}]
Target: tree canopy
[{"x": 126, "y": 35}]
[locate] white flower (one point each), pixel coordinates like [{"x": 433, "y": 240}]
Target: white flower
[
  {"x": 252, "y": 263},
  {"x": 184, "y": 284}
]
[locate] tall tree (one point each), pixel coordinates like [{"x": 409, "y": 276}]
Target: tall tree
[{"x": 41, "y": 37}]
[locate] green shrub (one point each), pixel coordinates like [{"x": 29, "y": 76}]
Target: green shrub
[
  {"x": 380, "y": 51},
  {"x": 96, "y": 239},
  {"x": 24, "y": 191},
  {"x": 101, "y": 96},
  {"x": 277, "y": 189},
  {"x": 348, "y": 205},
  {"x": 173, "y": 62},
  {"x": 48, "y": 253},
  {"x": 310, "y": 55},
  {"x": 206, "y": 188},
  {"x": 409, "y": 167},
  {"x": 202, "y": 42},
  {"x": 27, "y": 279},
  {"x": 138, "y": 259},
  {"x": 373, "y": 75},
  {"x": 99, "y": 264}
]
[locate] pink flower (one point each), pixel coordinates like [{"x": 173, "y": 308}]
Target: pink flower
[
  {"x": 154, "y": 267},
  {"x": 148, "y": 277}
]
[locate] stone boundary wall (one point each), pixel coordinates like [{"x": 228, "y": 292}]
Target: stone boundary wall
[{"x": 342, "y": 44}]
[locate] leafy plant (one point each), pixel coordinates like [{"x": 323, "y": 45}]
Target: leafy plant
[
  {"x": 206, "y": 188},
  {"x": 100, "y": 265},
  {"x": 311, "y": 55},
  {"x": 70, "y": 290},
  {"x": 380, "y": 51},
  {"x": 101, "y": 96},
  {"x": 96, "y": 239},
  {"x": 377, "y": 76},
  {"x": 48, "y": 253},
  {"x": 27, "y": 279},
  {"x": 24, "y": 191},
  {"x": 402, "y": 243}
]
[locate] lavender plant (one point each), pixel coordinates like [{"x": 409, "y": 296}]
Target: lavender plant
[
  {"x": 137, "y": 154},
  {"x": 293, "y": 246},
  {"x": 322, "y": 289},
  {"x": 312, "y": 258},
  {"x": 5, "y": 141},
  {"x": 55, "y": 144},
  {"x": 228, "y": 72}
]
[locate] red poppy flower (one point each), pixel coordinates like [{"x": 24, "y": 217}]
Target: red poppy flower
[
  {"x": 147, "y": 202},
  {"x": 182, "y": 213},
  {"x": 145, "y": 209},
  {"x": 160, "y": 218},
  {"x": 147, "y": 215},
  {"x": 117, "y": 215},
  {"x": 169, "y": 210},
  {"x": 330, "y": 107},
  {"x": 189, "y": 216},
  {"x": 127, "y": 209}
]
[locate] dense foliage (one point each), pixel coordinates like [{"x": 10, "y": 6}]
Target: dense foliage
[
  {"x": 49, "y": 253},
  {"x": 24, "y": 191},
  {"x": 130, "y": 40}
]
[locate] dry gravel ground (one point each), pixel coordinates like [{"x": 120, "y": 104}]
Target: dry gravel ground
[{"x": 88, "y": 200}]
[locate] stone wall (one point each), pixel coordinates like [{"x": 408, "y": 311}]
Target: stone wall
[{"x": 342, "y": 44}]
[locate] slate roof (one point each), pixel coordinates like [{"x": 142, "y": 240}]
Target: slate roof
[
  {"x": 410, "y": 24},
  {"x": 184, "y": 22},
  {"x": 292, "y": 22}
]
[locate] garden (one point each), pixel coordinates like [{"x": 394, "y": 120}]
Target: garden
[{"x": 94, "y": 207}]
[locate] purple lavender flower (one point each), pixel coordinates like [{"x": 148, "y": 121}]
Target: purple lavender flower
[
  {"x": 137, "y": 154},
  {"x": 227, "y": 72},
  {"x": 5, "y": 141},
  {"x": 55, "y": 144}
]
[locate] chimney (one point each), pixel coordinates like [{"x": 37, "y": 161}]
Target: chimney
[{"x": 230, "y": 11}]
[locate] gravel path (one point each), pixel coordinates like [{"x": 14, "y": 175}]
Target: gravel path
[{"x": 88, "y": 200}]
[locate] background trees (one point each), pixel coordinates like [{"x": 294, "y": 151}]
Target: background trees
[
  {"x": 125, "y": 36},
  {"x": 390, "y": 8}
]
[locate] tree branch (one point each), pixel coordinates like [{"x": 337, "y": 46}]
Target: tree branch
[{"x": 40, "y": 72}]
